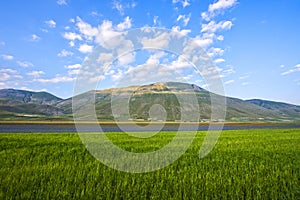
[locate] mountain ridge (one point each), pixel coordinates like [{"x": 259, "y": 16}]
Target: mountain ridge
[{"x": 22, "y": 104}]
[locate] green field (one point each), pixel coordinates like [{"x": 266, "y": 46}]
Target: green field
[{"x": 246, "y": 164}]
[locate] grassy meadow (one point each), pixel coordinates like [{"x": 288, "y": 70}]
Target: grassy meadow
[{"x": 245, "y": 164}]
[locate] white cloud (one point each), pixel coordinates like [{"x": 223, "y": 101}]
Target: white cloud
[
  {"x": 155, "y": 20},
  {"x": 220, "y": 38},
  {"x": 85, "y": 48},
  {"x": 228, "y": 71},
  {"x": 105, "y": 57},
  {"x": 71, "y": 43},
  {"x": 24, "y": 64},
  {"x": 117, "y": 75},
  {"x": 62, "y": 2},
  {"x": 65, "y": 53},
  {"x": 213, "y": 51},
  {"x": 75, "y": 66},
  {"x": 95, "y": 14},
  {"x": 106, "y": 31},
  {"x": 296, "y": 69},
  {"x": 7, "y": 74},
  {"x": 74, "y": 71},
  {"x": 154, "y": 59},
  {"x": 203, "y": 41},
  {"x": 160, "y": 40},
  {"x": 126, "y": 24},
  {"x": 217, "y": 8},
  {"x": 86, "y": 29},
  {"x": 121, "y": 7},
  {"x": 72, "y": 36},
  {"x": 282, "y": 66},
  {"x": 34, "y": 38},
  {"x": 57, "y": 79},
  {"x": 118, "y": 6},
  {"x": 184, "y": 3},
  {"x": 180, "y": 63},
  {"x": 219, "y": 60},
  {"x": 213, "y": 27},
  {"x": 4, "y": 76},
  {"x": 51, "y": 23},
  {"x": 183, "y": 32},
  {"x": 221, "y": 5},
  {"x": 35, "y": 74},
  {"x": 184, "y": 18},
  {"x": 7, "y": 57},
  {"x": 228, "y": 82},
  {"x": 126, "y": 59},
  {"x": 7, "y": 70}
]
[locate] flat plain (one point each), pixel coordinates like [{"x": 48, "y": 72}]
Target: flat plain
[{"x": 245, "y": 164}]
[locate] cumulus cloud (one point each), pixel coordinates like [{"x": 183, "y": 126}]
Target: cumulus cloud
[
  {"x": 213, "y": 27},
  {"x": 86, "y": 29},
  {"x": 220, "y": 38},
  {"x": 217, "y": 8},
  {"x": 24, "y": 64},
  {"x": 34, "y": 38},
  {"x": 7, "y": 57},
  {"x": 219, "y": 60},
  {"x": 72, "y": 36},
  {"x": 154, "y": 59},
  {"x": 183, "y": 31},
  {"x": 160, "y": 40},
  {"x": 126, "y": 24},
  {"x": 221, "y": 5},
  {"x": 85, "y": 48},
  {"x": 51, "y": 23},
  {"x": 204, "y": 41},
  {"x": 4, "y": 76},
  {"x": 7, "y": 74},
  {"x": 74, "y": 66},
  {"x": 126, "y": 59},
  {"x": 35, "y": 74},
  {"x": 65, "y": 53},
  {"x": 213, "y": 51},
  {"x": 8, "y": 70}
]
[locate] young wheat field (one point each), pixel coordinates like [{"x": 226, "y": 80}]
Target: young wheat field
[{"x": 245, "y": 164}]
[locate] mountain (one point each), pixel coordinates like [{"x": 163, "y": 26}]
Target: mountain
[
  {"x": 19, "y": 103},
  {"x": 22, "y": 104},
  {"x": 279, "y": 107}
]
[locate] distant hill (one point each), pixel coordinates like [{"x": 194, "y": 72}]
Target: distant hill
[
  {"x": 18, "y": 103},
  {"x": 279, "y": 107},
  {"x": 27, "y": 104}
]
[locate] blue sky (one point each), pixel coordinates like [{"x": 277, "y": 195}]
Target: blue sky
[{"x": 254, "y": 43}]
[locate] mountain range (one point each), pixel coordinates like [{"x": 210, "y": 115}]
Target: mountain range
[{"x": 28, "y": 105}]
